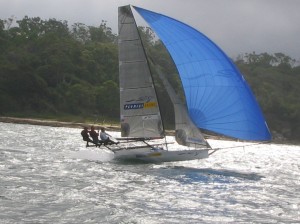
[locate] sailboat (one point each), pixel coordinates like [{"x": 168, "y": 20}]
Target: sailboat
[{"x": 218, "y": 99}]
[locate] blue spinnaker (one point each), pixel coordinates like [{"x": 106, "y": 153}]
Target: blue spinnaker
[{"x": 218, "y": 97}]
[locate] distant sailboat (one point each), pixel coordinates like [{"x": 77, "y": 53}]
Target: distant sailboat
[{"x": 218, "y": 99}]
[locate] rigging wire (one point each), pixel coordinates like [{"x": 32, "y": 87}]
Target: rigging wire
[{"x": 232, "y": 147}]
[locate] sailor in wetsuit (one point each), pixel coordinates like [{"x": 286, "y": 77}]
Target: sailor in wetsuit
[
  {"x": 94, "y": 135},
  {"x": 85, "y": 136}
]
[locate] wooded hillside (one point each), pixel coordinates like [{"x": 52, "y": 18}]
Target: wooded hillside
[{"x": 49, "y": 68}]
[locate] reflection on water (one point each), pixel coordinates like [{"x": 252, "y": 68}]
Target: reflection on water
[{"x": 221, "y": 172}]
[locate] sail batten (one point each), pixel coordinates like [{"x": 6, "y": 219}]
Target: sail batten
[{"x": 218, "y": 97}]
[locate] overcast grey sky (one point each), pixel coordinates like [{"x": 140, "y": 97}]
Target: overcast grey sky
[{"x": 237, "y": 26}]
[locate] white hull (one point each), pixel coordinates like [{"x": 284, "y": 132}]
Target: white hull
[{"x": 149, "y": 155}]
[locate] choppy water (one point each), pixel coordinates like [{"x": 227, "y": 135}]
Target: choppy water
[{"x": 48, "y": 176}]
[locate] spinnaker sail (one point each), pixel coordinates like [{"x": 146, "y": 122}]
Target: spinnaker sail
[{"x": 218, "y": 97}]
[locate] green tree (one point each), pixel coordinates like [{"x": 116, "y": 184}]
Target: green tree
[{"x": 107, "y": 99}]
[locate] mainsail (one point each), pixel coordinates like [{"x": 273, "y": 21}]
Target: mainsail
[
  {"x": 218, "y": 97},
  {"x": 140, "y": 115}
]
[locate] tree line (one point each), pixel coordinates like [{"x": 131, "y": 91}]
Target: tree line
[{"x": 50, "y": 68}]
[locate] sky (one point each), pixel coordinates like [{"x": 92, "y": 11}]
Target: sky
[{"x": 237, "y": 26}]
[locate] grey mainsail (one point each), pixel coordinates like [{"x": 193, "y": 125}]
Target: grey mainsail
[{"x": 140, "y": 115}]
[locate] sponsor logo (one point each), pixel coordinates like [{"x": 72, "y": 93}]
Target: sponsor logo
[
  {"x": 133, "y": 106},
  {"x": 142, "y": 98},
  {"x": 150, "y": 105},
  {"x": 154, "y": 154},
  {"x": 150, "y": 117}
]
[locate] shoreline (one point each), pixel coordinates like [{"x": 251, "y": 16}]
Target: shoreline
[{"x": 54, "y": 123}]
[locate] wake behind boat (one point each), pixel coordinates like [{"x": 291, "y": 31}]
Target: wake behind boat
[{"x": 217, "y": 97}]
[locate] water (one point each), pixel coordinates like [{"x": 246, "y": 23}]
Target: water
[{"x": 48, "y": 176}]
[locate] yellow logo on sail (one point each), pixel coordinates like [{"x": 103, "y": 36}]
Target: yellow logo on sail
[{"x": 150, "y": 104}]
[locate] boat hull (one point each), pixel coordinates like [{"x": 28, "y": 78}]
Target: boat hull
[{"x": 158, "y": 156}]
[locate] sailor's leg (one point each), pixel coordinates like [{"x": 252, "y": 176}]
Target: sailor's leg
[
  {"x": 106, "y": 141},
  {"x": 95, "y": 142},
  {"x": 113, "y": 142}
]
